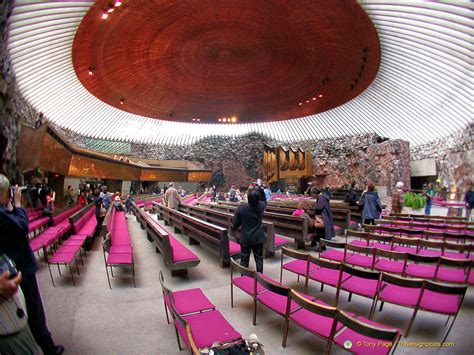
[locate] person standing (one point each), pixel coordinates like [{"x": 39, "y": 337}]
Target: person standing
[
  {"x": 248, "y": 217},
  {"x": 429, "y": 193},
  {"x": 397, "y": 198},
  {"x": 100, "y": 210},
  {"x": 14, "y": 243},
  {"x": 268, "y": 193},
  {"x": 351, "y": 196},
  {"x": 371, "y": 206},
  {"x": 469, "y": 200},
  {"x": 324, "y": 210},
  {"x": 172, "y": 197},
  {"x": 105, "y": 196}
]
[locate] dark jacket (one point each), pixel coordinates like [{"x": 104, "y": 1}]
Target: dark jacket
[
  {"x": 323, "y": 209},
  {"x": 351, "y": 197},
  {"x": 469, "y": 199},
  {"x": 372, "y": 206},
  {"x": 250, "y": 222},
  {"x": 14, "y": 239}
]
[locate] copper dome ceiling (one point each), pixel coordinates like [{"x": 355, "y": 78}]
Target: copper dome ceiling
[{"x": 254, "y": 60}]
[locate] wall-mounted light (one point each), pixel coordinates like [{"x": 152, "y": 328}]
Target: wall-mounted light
[
  {"x": 91, "y": 71},
  {"x": 320, "y": 95},
  {"x": 122, "y": 101},
  {"x": 104, "y": 15},
  {"x": 220, "y": 119},
  {"x": 234, "y": 119},
  {"x": 118, "y": 3}
]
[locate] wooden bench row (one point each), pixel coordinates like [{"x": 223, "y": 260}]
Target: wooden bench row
[{"x": 178, "y": 259}]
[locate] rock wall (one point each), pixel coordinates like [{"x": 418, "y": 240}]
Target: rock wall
[
  {"x": 13, "y": 108},
  {"x": 454, "y": 156},
  {"x": 336, "y": 161}
]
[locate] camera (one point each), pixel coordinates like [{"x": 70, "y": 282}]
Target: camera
[
  {"x": 22, "y": 189},
  {"x": 7, "y": 264}
]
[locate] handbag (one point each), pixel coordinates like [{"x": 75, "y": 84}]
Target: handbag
[{"x": 318, "y": 222}]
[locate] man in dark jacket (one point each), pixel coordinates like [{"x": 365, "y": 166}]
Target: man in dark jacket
[
  {"x": 14, "y": 243},
  {"x": 249, "y": 218}
]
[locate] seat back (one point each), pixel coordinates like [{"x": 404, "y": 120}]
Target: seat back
[
  {"x": 402, "y": 281},
  {"x": 271, "y": 285},
  {"x": 461, "y": 248},
  {"x": 393, "y": 255},
  {"x": 294, "y": 254},
  {"x": 331, "y": 244},
  {"x": 406, "y": 241},
  {"x": 427, "y": 234},
  {"x": 422, "y": 258},
  {"x": 365, "y": 274},
  {"x": 459, "y": 290},
  {"x": 165, "y": 289},
  {"x": 236, "y": 267},
  {"x": 325, "y": 263},
  {"x": 384, "y": 238},
  {"x": 438, "y": 245}
]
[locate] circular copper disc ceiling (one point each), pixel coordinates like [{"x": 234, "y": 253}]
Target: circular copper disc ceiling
[{"x": 254, "y": 60}]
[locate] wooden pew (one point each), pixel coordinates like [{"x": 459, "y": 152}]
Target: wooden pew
[
  {"x": 199, "y": 231},
  {"x": 286, "y": 225},
  {"x": 224, "y": 219}
]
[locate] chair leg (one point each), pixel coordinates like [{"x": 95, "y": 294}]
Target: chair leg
[
  {"x": 72, "y": 275},
  {"x": 59, "y": 270},
  {"x": 166, "y": 312},
  {"x": 77, "y": 267},
  {"x": 298, "y": 278},
  {"x": 285, "y": 332},
  {"x": 254, "y": 311},
  {"x": 133, "y": 276},
  {"x": 446, "y": 336},
  {"x": 112, "y": 270},
  {"x": 350, "y": 297},
  {"x": 411, "y": 322},
  {"x": 231, "y": 295},
  {"x": 51, "y": 274},
  {"x": 447, "y": 320},
  {"x": 108, "y": 278},
  {"x": 322, "y": 287},
  {"x": 381, "y": 306}
]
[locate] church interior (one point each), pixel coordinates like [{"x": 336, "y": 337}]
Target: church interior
[{"x": 236, "y": 177}]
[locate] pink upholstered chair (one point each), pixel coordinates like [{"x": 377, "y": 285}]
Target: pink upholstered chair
[
  {"x": 300, "y": 266},
  {"x": 336, "y": 252},
  {"x": 458, "y": 251},
  {"x": 364, "y": 283},
  {"x": 405, "y": 245},
  {"x": 246, "y": 281},
  {"x": 380, "y": 241},
  {"x": 361, "y": 331},
  {"x": 400, "y": 291},
  {"x": 276, "y": 298},
  {"x": 201, "y": 330},
  {"x": 185, "y": 301},
  {"x": 363, "y": 240},
  {"x": 436, "y": 247},
  {"x": 118, "y": 260},
  {"x": 453, "y": 270},
  {"x": 327, "y": 272},
  {"x": 390, "y": 261},
  {"x": 316, "y": 317},
  {"x": 359, "y": 256},
  {"x": 421, "y": 266},
  {"x": 442, "y": 299}
]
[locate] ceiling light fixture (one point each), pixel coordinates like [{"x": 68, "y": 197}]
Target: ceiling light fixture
[
  {"x": 104, "y": 15},
  {"x": 314, "y": 99},
  {"x": 90, "y": 71},
  {"x": 300, "y": 103},
  {"x": 320, "y": 95},
  {"x": 118, "y": 3},
  {"x": 122, "y": 101}
]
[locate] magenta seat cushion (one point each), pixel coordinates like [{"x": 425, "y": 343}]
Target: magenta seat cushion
[
  {"x": 383, "y": 246},
  {"x": 245, "y": 283},
  {"x": 125, "y": 259},
  {"x": 352, "y": 223},
  {"x": 327, "y": 276},
  {"x": 277, "y": 302},
  {"x": 392, "y": 266},
  {"x": 190, "y": 301},
  {"x": 73, "y": 242},
  {"x": 422, "y": 271},
  {"x": 453, "y": 255},
  {"x": 333, "y": 255},
  {"x": 404, "y": 296},
  {"x": 360, "y": 286},
  {"x": 359, "y": 260},
  {"x": 68, "y": 248},
  {"x": 60, "y": 257},
  {"x": 360, "y": 243},
  {"x": 380, "y": 346},
  {"x": 298, "y": 267},
  {"x": 121, "y": 249},
  {"x": 439, "y": 302},
  {"x": 313, "y": 322},
  {"x": 234, "y": 248},
  {"x": 451, "y": 275},
  {"x": 207, "y": 328},
  {"x": 405, "y": 249},
  {"x": 78, "y": 237},
  {"x": 183, "y": 255},
  {"x": 279, "y": 241},
  {"x": 429, "y": 252}
]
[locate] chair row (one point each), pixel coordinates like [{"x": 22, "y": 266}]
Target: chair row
[
  {"x": 419, "y": 233},
  {"x": 83, "y": 226},
  {"x": 401, "y": 261},
  {"x": 418, "y": 217},
  {"x": 178, "y": 258},
  {"x": 330, "y": 323},
  {"x": 427, "y": 226},
  {"x": 378, "y": 286},
  {"x": 412, "y": 245},
  {"x": 196, "y": 319},
  {"x": 117, "y": 248}
]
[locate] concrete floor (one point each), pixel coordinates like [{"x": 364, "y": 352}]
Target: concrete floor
[{"x": 92, "y": 319}]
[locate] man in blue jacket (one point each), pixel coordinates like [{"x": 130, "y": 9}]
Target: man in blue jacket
[{"x": 14, "y": 243}]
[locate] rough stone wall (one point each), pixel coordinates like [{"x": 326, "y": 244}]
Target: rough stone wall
[
  {"x": 454, "y": 156},
  {"x": 336, "y": 161},
  {"x": 13, "y": 108}
]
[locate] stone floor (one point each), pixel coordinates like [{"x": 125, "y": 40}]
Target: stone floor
[{"x": 92, "y": 319}]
